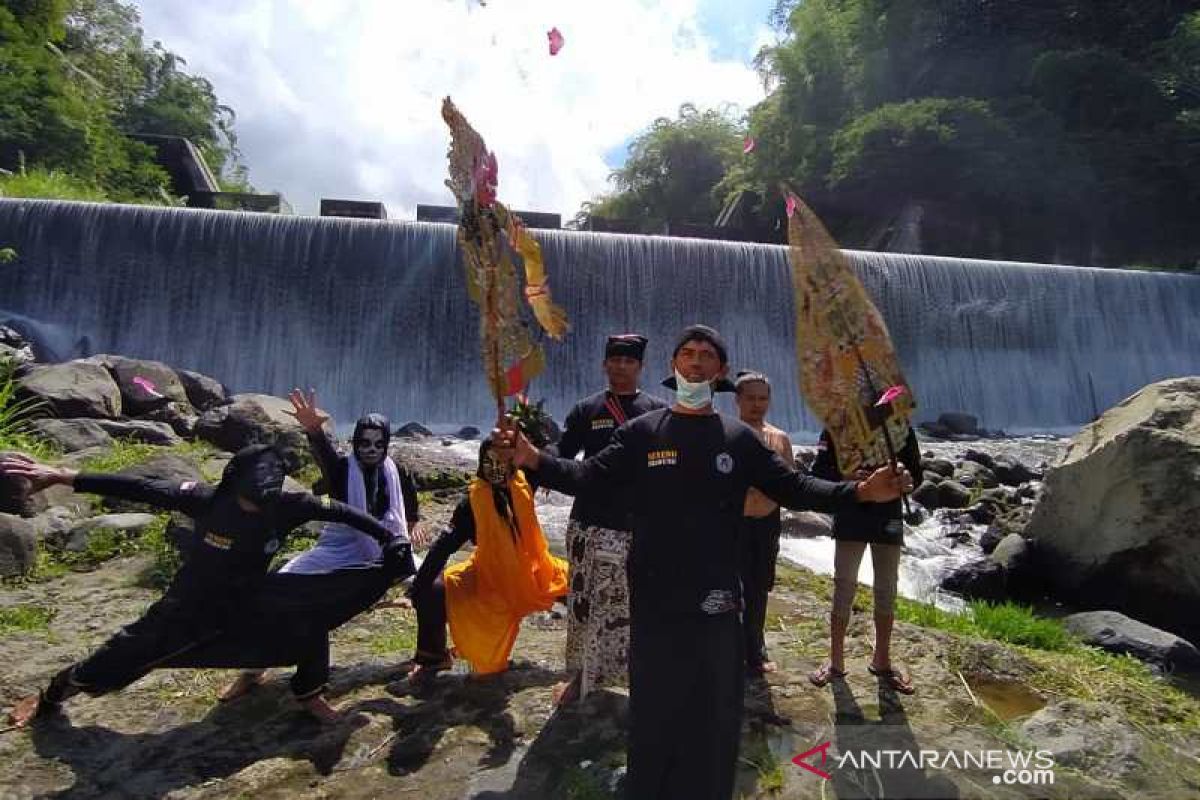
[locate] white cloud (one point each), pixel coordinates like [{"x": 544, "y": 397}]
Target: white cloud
[{"x": 341, "y": 98}]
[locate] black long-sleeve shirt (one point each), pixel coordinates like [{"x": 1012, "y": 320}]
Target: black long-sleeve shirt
[
  {"x": 335, "y": 470},
  {"x": 460, "y": 531},
  {"x": 233, "y": 547},
  {"x": 875, "y": 522},
  {"x": 688, "y": 475},
  {"x": 589, "y": 427}
]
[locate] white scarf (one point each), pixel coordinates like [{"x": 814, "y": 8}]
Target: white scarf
[{"x": 340, "y": 546}]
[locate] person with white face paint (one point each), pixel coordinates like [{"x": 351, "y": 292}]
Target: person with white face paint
[{"x": 370, "y": 482}]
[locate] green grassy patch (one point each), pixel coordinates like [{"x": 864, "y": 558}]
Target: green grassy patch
[
  {"x": 15, "y": 416},
  {"x": 165, "y": 558},
  {"x": 121, "y": 454},
  {"x": 1004, "y": 622},
  {"x": 24, "y": 619},
  {"x": 769, "y": 771},
  {"x": 1091, "y": 674},
  {"x": 400, "y": 637}
]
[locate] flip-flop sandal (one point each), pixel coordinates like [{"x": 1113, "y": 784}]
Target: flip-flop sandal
[
  {"x": 896, "y": 680},
  {"x": 822, "y": 677}
]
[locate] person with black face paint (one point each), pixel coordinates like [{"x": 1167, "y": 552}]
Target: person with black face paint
[
  {"x": 690, "y": 469},
  {"x": 598, "y": 533},
  {"x": 346, "y": 560},
  {"x": 510, "y": 575},
  {"x": 207, "y": 614}
]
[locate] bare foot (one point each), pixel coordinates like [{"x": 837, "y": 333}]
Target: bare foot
[
  {"x": 319, "y": 707},
  {"x": 24, "y": 711},
  {"x": 767, "y": 667},
  {"x": 566, "y": 692},
  {"x": 245, "y": 683}
]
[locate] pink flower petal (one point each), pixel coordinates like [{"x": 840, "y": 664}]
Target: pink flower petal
[
  {"x": 148, "y": 386},
  {"x": 891, "y": 394},
  {"x": 791, "y": 205},
  {"x": 556, "y": 40},
  {"x": 748, "y": 145}
]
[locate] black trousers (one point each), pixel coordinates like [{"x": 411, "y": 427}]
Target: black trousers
[
  {"x": 286, "y": 623},
  {"x": 431, "y": 623},
  {"x": 758, "y": 549},
  {"x": 685, "y": 703}
]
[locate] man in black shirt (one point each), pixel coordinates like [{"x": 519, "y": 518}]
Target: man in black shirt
[
  {"x": 689, "y": 469},
  {"x": 599, "y": 531},
  {"x": 217, "y": 596}
]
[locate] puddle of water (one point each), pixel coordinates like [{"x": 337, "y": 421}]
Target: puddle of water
[{"x": 1006, "y": 699}]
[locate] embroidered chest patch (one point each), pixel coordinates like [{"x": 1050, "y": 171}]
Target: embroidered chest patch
[
  {"x": 603, "y": 423},
  {"x": 662, "y": 458}
]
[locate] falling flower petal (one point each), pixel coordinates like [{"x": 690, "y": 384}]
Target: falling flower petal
[
  {"x": 148, "y": 386},
  {"x": 791, "y": 205},
  {"x": 556, "y": 40},
  {"x": 891, "y": 394},
  {"x": 748, "y": 145}
]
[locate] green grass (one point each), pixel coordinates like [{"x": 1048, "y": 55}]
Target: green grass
[
  {"x": 400, "y": 638},
  {"x": 48, "y": 183},
  {"x": 24, "y": 619},
  {"x": 1091, "y": 674},
  {"x": 1018, "y": 624},
  {"x": 165, "y": 558},
  {"x": 1005, "y": 622},
  {"x": 105, "y": 544},
  {"x": 15, "y": 416},
  {"x": 121, "y": 454},
  {"x": 770, "y": 775}
]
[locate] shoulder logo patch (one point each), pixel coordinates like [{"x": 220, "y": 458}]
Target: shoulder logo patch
[{"x": 724, "y": 463}]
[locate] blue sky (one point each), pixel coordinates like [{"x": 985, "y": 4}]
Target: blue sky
[{"x": 341, "y": 98}]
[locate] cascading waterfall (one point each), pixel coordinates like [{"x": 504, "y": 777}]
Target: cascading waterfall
[{"x": 374, "y": 314}]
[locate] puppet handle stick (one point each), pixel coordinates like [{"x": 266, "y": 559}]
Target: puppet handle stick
[{"x": 887, "y": 435}]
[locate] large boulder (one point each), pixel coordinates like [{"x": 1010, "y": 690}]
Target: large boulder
[
  {"x": 138, "y": 430},
  {"x": 14, "y": 347},
  {"x": 169, "y": 467},
  {"x": 18, "y": 546},
  {"x": 72, "y": 435},
  {"x": 1011, "y": 472},
  {"x": 203, "y": 392},
  {"x": 1116, "y": 522},
  {"x": 1093, "y": 738},
  {"x": 15, "y": 497},
  {"x": 1117, "y": 633},
  {"x": 251, "y": 419},
  {"x": 145, "y": 385},
  {"x": 128, "y": 525},
  {"x": 181, "y": 418},
  {"x": 959, "y": 422},
  {"x": 972, "y": 473},
  {"x": 72, "y": 389}
]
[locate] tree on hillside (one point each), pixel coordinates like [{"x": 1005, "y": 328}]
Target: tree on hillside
[
  {"x": 76, "y": 76},
  {"x": 672, "y": 171},
  {"x": 1045, "y": 129}
]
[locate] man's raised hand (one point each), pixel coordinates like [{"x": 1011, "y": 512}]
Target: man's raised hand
[{"x": 305, "y": 410}]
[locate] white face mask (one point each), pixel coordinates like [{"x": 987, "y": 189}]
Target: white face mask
[{"x": 692, "y": 395}]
